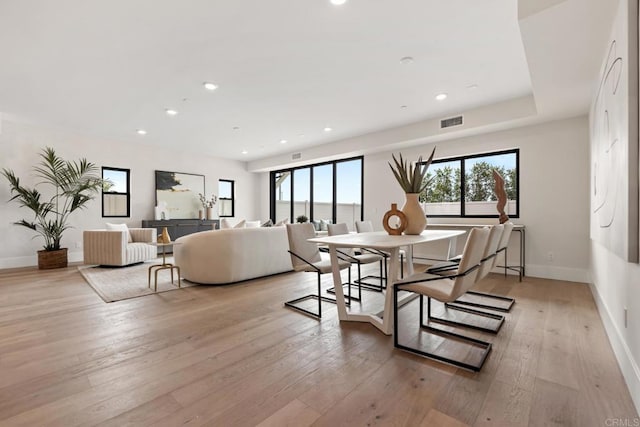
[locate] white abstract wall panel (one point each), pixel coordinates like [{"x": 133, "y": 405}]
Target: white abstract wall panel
[{"x": 614, "y": 141}]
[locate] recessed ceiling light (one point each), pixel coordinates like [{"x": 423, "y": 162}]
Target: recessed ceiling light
[
  {"x": 328, "y": 129},
  {"x": 245, "y": 152},
  {"x": 170, "y": 112},
  {"x": 403, "y": 106},
  {"x": 406, "y": 60},
  {"x": 210, "y": 86},
  {"x": 338, "y": 2},
  {"x": 441, "y": 96},
  {"x": 471, "y": 87},
  {"x": 283, "y": 141},
  {"x": 236, "y": 128},
  {"x": 141, "y": 132},
  {"x": 301, "y": 135}
]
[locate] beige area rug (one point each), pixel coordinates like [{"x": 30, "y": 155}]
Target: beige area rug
[{"x": 116, "y": 284}]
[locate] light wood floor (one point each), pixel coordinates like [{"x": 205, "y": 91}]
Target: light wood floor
[{"x": 228, "y": 356}]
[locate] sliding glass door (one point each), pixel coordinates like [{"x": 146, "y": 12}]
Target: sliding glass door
[
  {"x": 323, "y": 192},
  {"x": 328, "y": 192},
  {"x": 349, "y": 192}
]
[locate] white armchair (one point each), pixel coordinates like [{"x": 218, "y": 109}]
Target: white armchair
[{"x": 108, "y": 247}]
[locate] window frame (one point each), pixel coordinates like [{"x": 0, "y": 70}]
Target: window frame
[
  {"x": 232, "y": 198},
  {"x": 334, "y": 207},
  {"x": 462, "y": 160},
  {"x": 127, "y": 193}
]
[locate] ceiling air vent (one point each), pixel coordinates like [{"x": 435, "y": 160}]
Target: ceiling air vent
[
  {"x": 451, "y": 121},
  {"x": 296, "y": 156}
]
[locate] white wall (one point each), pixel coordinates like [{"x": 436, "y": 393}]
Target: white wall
[
  {"x": 20, "y": 144},
  {"x": 616, "y": 283},
  {"x": 554, "y": 196}
]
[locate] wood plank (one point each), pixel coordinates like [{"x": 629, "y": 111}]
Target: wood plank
[
  {"x": 505, "y": 404},
  {"x": 233, "y": 355},
  {"x": 295, "y": 414},
  {"x": 437, "y": 418}
]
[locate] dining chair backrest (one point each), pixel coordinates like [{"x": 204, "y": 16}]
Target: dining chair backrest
[
  {"x": 471, "y": 256},
  {"x": 492, "y": 247},
  {"x": 364, "y": 226},
  {"x": 298, "y": 235},
  {"x": 338, "y": 229},
  {"x": 504, "y": 240}
]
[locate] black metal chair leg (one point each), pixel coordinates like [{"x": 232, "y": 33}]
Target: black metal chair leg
[
  {"x": 319, "y": 299},
  {"x": 292, "y": 303},
  {"x": 494, "y": 330},
  {"x": 485, "y": 346},
  {"x": 349, "y": 297},
  {"x": 359, "y": 284},
  {"x": 509, "y": 302},
  {"x": 382, "y": 278}
]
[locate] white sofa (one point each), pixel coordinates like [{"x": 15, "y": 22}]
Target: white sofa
[
  {"x": 232, "y": 255},
  {"x": 110, "y": 247}
]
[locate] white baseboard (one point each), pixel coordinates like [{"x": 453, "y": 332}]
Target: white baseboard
[
  {"x": 32, "y": 260},
  {"x": 17, "y": 262},
  {"x": 628, "y": 365},
  {"x": 559, "y": 273}
]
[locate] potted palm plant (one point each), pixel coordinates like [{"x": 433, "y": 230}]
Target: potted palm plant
[
  {"x": 72, "y": 184},
  {"x": 412, "y": 180}
]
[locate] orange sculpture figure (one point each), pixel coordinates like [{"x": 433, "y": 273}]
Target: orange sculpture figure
[{"x": 501, "y": 194}]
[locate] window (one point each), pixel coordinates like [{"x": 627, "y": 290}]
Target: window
[
  {"x": 226, "y": 197},
  {"x": 464, "y": 186},
  {"x": 323, "y": 192},
  {"x": 115, "y": 192},
  {"x": 301, "y": 192}
]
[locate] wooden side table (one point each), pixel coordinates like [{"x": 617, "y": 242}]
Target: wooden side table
[{"x": 164, "y": 266}]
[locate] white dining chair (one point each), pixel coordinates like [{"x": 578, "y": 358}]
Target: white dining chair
[
  {"x": 367, "y": 227},
  {"x": 500, "y": 246},
  {"x": 349, "y": 254},
  {"x": 445, "y": 289},
  {"x": 305, "y": 256}
]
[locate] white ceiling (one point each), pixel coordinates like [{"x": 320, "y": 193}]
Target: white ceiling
[{"x": 285, "y": 68}]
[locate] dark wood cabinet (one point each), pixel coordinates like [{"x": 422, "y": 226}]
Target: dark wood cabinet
[{"x": 181, "y": 227}]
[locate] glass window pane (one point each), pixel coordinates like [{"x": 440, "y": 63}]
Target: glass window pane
[
  {"x": 114, "y": 205},
  {"x": 442, "y": 196},
  {"x": 301, "y": 192},
  {"x": 115, "y": 192},
  {"x": 117, "y": 180},
  {"x": 480, "y": 198},
  {"x": 226, "y": 198},
  {"x": 282, "y": 187},
  {"x": 225, "y": 189},
  {"x": 225, "y": 207},
  {"x": 349, "y": 192},
  {"x": 323, "y": 192}
]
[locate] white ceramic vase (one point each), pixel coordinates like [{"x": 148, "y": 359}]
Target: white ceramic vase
[
  {"x": 416, "y": 218},
  {"x": 209, "y": 213}
]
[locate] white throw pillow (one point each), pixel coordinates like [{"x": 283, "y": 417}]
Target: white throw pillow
[
  {"x": 120, "y": 227},
  {"x": 324, "y": 223},
  {"x": 252, "y": 224},
  {"x": 240, "y": 224}
]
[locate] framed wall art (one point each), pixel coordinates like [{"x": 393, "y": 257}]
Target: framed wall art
[{"x": 177, "y": 194}]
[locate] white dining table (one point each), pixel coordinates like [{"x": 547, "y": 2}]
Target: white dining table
[{"x": 381, "y": 240}]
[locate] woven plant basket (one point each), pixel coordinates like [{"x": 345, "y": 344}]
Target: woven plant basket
[{"x": 52, "y": 259}]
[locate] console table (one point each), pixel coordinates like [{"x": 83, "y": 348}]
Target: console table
[
  {"x": 181, "y": 227},
  {"x": 520, "y": 269}
]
